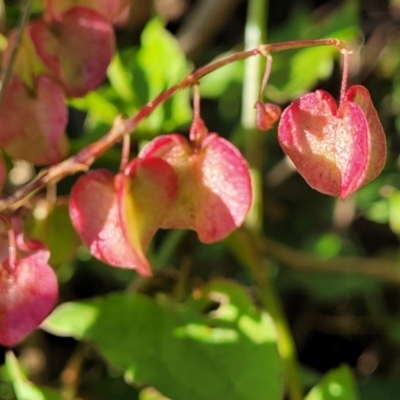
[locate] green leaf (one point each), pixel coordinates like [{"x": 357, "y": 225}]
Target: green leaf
[
  {"x": 25, "y": 390},
  {"x": 183, "y": 350},
  {"x": 216, "y": 83},
  {"x": 120, "y": 79},
  {"x": 295, "y": 72},
  {"x": 54, "y": 228},
  {"x": 337, "y": 384},
  {"x": 73, "y": 319},
  {"x": 161, "y": 64},
  {"x": 151, "y": 394},
  {"x": 97, "y": 105},
  {"x": 343, "y": 23},
  {"x": 308, "y": 66}
]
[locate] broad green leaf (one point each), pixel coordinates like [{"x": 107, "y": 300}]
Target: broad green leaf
[
  {"x": 337, "y": 384},
  {"x": 183, "y": 350},
  {"x": 25, "y": 390},
  {"x": 73, "y": 319}
]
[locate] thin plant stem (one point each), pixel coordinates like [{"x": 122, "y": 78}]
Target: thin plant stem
[
  {"x": 168, "y": 248},
  {"x": 126, "y": 148},
  {"x": 255, "y": 154},
  {"x": 12, "y": 245},
  {"x": 345, "y": 74},
  {"x": 7, "y": 73},
  {"x": 247, "y": 248},
  {"x": 255, "y": 34},
  {"x": 267, "y": 73}
]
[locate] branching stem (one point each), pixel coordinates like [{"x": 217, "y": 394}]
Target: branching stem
[{"x": 85, "y": 158}]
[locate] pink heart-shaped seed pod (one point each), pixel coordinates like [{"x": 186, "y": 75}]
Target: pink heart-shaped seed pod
[
  {"x": 77, "y": 48},
  {"x": 214, "y": 184},
  {"x": 28, "y": 294},
  {"x": 335, "y": 150},
  {"x": 359, "y": 95},
  {"x": 109, "y": 9},
  {"x": 117, "y": 216},
  {"x": 32, "y": 122}
]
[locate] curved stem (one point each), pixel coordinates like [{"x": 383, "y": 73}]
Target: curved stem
[
  {"x": 267, "y": 73},
  {"x": 255, "y": 34},
  {"x": 6, "y": 74},
  {"x": 345, "y": 75},
  {"x": 12, "y": 245},
  {"x": 126, "y": 149}
]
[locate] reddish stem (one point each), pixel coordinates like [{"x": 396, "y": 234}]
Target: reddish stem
[
  {"x": 12, "y": 244},
  {"x": 126, "y": 149},
  {"x": 6, "y": 74},
  {"x": 345, "y": 75},
  {"x": 84, "y": 159},
  {"x": 198, "y": 131},
  {"x": 267, "y": 73}
]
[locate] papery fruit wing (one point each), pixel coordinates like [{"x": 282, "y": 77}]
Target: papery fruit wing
[
  {"x": 32, "y": 123},
  {"x": 109, "y": 9},
  {"x": 146, "y": 194},
  {"x": 359, "y": 95},
  {"x": 329, "y": 147},
  {"x": 95, "y": 215},
  {"x": 214, "y": 185},
  {"x": 175, "y": 150},
  {"x": 28, "y": 294},
  {"x": 76, "y": 48},
  {"x": 225, "y": 195}
]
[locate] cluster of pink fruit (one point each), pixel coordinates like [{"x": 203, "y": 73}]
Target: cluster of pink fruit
[
  {"x": 63, "y": 54},
  {"x": 202, "y": 184}
]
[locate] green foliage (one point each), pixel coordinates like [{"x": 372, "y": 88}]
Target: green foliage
[
  {"x": 337, "y": 384},
  {"x": 44, "y": 225},
  {"x": 185, "y": 351},
  {"x": 25, "y": 390},
  {"x": 296, "y": 73},
  {"x": 137, "y": 76}
]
